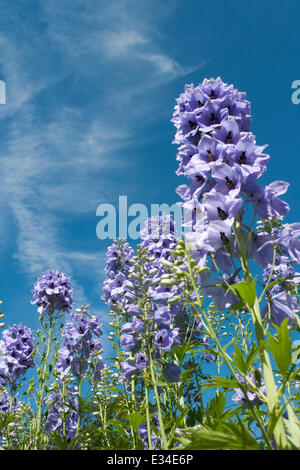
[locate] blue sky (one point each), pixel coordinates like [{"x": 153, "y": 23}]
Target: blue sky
[{"x": 91, "y": 87}]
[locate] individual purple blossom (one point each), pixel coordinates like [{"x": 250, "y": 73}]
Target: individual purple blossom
[
  {"x": 261, "y": 248},
  {"x": 17, "y": 342},
  {"x": 289, "y": 239},
  {"x": 128, "y": 342},
  {"x": 221, "y": 207},
  {"x": 252, "y": 396},
  {"x": 222, "y": 296},
  {"x": 128, "y": 369},
  {"x": 228, "y": 179},
  {"x": 141, "y": 360},
  {"x": 266, "y": 203},
  {"x": 164, "y": 339},
  {"x": 281, "y": 306},
  {"x": 52, "y": 291},
  {"x": 171, "y": 372}
]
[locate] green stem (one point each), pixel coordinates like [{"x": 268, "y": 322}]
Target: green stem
[
  {"x": 148, "y": 416},
  {"x": 273, "y": 403},
  {"x": 212, "y": 334},
  {"x": 160, "y": 418},
  {"x": 43, "y": 380}
]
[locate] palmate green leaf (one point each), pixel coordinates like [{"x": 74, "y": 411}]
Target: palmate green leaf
[
  {"x": 281, "y": 347},
  {"x": 136, "y": 419},
  {"x": 215, "y": 408},
  {"x": 234, "y": 437},
  {"x": 246, "y": 291}
]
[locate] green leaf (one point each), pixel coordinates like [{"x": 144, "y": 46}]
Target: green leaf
[
  {"x": 214, "y": 382},
  {"x": 246, "y": 291},
  {"x": 136, "y": 419},
  {"x": 293, "y": 427},
  {"x": 236, "y": 437},
  {"x": 281, "y": 347},
  {"x": 238, "y": 357}
]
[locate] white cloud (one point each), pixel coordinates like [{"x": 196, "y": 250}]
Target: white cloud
[{"x": 55, "y": 154}]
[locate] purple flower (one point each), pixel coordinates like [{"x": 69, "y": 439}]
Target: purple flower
[
  {"x": 128, "y": 341},
  {"x": 5, "y": 404},
  {"x": 117, "y": 258},
  {"x": 228, "y": 179},
  {"x": 141, "y": 361},
  {"x": 81, "y": 339},
  {"x": 52, "y": 291},
  {"x": 163, "y": 315},
  {"x": 282, "y": 268},
  {"x": 155, "y": 439},
  {"x": 265, "y": 200},
  {"x": 281, "y": 306},
  {"x": 239, "y": 396},
  {"x": 17, "y": 342},
  {"x": 163, "y": 339},
  {"x": 171, "y": 372},
  {"x": 221, "y": 207},
  {"x": 63, "y": 413},
  {"x": 222, "y": 296},
  {"x": 289, "y": 239},
  {"x": 128, "y": 369}
]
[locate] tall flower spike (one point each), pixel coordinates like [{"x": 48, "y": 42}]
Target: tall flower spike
[
  {"x": 17, "y": 345},
  {"x": 52, "y": 290}
]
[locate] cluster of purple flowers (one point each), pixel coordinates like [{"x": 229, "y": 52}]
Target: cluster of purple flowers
[
  {"x": 17, "y": 343},
  {"x": 252, "y": 397},
  {"x": 118, "y": 258},
  {"x": 158, "y": 238},
  {"x": 222, "y": 162},
  {"x": 155, "y": 440},
  {"x": 63, "y": 413},
  {"x": 6, "y": 406},
  {"x": 81, "y": 339},
  {"x": 52, "y": 291}
]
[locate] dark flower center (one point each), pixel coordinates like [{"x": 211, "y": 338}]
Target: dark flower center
[
  {"x": 199, "y": 178},
  {"x": 229, "y": 183},
  {"x": 224, "y": 238},
  {"x": 210, "y": 155},
  {"x": 213, "y": 119},
  {"x": 192, "y": 124},
  {"x": 222, "y": 214},
  {"x": 229, "y": 137},
  {"x": 243, "y": 158},
  {"x": 212, "y": 95}
]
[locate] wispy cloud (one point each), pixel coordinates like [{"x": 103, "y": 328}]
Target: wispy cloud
[{"x": 63, "y": 138}]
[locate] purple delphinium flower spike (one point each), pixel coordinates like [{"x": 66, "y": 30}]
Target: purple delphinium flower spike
[
  {"x": 52, "y": 290},
  {"x": 17, "y": 342}
]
